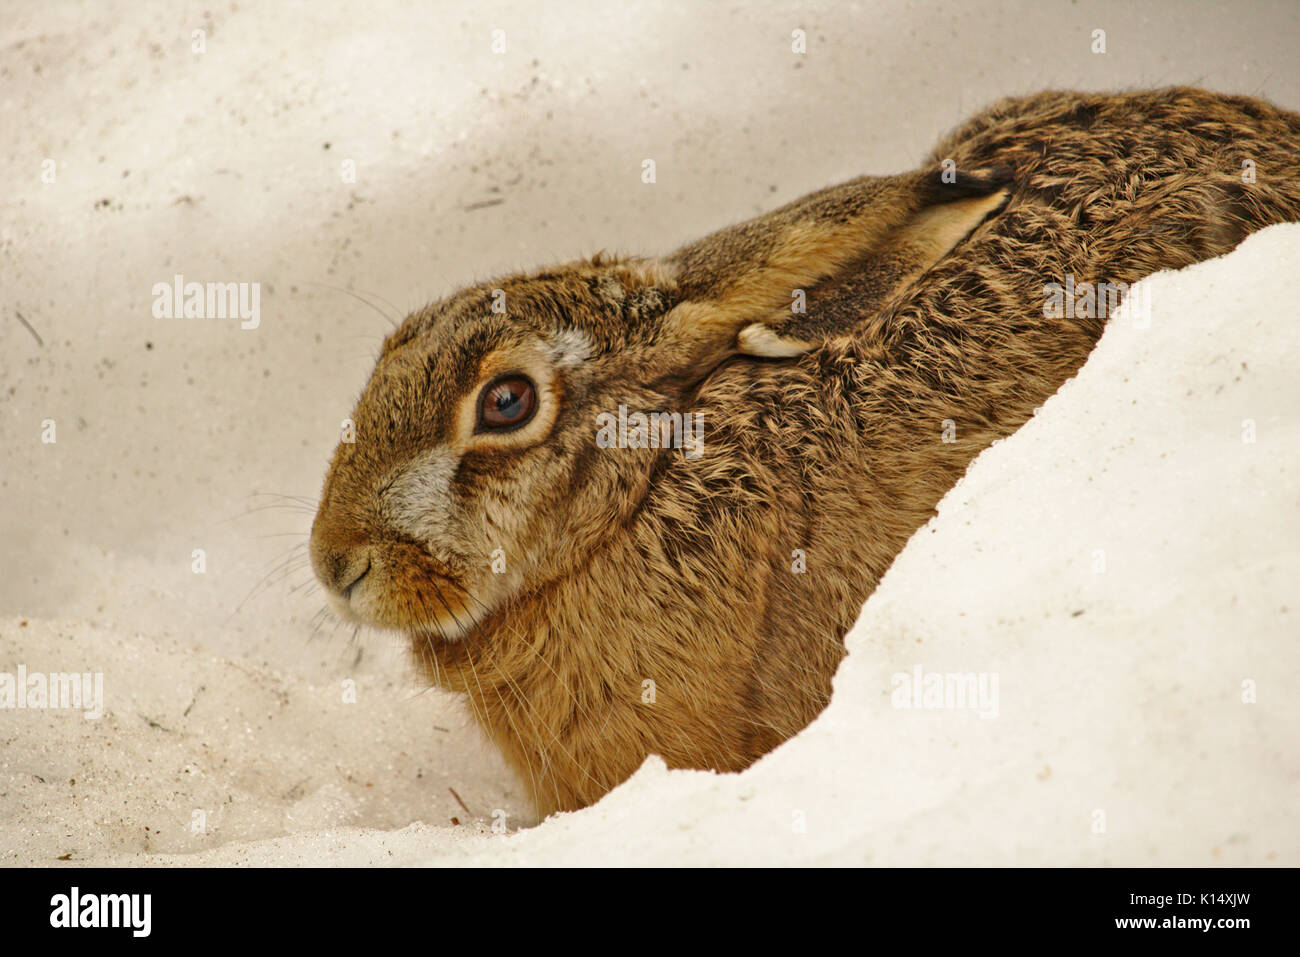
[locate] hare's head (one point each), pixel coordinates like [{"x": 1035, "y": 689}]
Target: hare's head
[
  {"x": 475, "y": 464},
  {"x": 476, "y": 473}
]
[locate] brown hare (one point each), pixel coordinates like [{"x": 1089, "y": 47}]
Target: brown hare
[{"x": 630, "y": 506}]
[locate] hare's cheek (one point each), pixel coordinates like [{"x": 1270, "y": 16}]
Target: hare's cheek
[
  {"x": 491, "y": 491},
  {"x": 417, "y": 498}
]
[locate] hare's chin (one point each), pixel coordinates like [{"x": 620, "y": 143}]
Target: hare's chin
[
  {"x": 447, "y": 630},
  {"x": 453, "y": 624},
  {"x": 339, "y": 605}
]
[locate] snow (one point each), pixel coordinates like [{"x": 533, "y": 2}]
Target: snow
[{"x": 1126, "y": 565}]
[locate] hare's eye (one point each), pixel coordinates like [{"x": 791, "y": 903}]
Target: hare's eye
[{"x": 507, "y": 403}]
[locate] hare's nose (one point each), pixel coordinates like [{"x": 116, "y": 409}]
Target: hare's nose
[
  {"x": 351, "y": 575},
  {"x": 340, "y": 570}
]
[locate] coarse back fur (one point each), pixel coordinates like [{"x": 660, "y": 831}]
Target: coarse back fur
[{"x": 600, "y": 604}]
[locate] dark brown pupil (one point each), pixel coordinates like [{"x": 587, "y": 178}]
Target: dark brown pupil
[{"x": 509, "y": 402}]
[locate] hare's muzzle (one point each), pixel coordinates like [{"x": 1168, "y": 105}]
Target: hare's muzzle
[
  {"x": 339, "y": 571},
  {"x": 340, "y": 566},
  {"x": 388, "y": 581}
]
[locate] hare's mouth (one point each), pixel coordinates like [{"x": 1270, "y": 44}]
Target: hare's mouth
[{"x": 408, "y": 591}]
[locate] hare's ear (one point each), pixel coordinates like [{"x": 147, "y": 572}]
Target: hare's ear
[{"x": 747, "y": 278}]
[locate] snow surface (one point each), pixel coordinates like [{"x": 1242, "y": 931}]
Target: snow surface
[{"x": 1119, "y": 691}]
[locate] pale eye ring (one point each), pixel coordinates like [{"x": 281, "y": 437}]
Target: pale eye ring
[{"x": 506, "y": 403}]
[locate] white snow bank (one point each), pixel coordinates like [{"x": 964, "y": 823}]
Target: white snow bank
[{"x": 1126, "y": 565}]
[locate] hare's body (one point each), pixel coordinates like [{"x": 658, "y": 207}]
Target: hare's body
[{"x": 695, "y": 606}]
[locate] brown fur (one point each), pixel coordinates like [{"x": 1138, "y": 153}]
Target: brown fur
[{"x": 633, "y": 565}]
